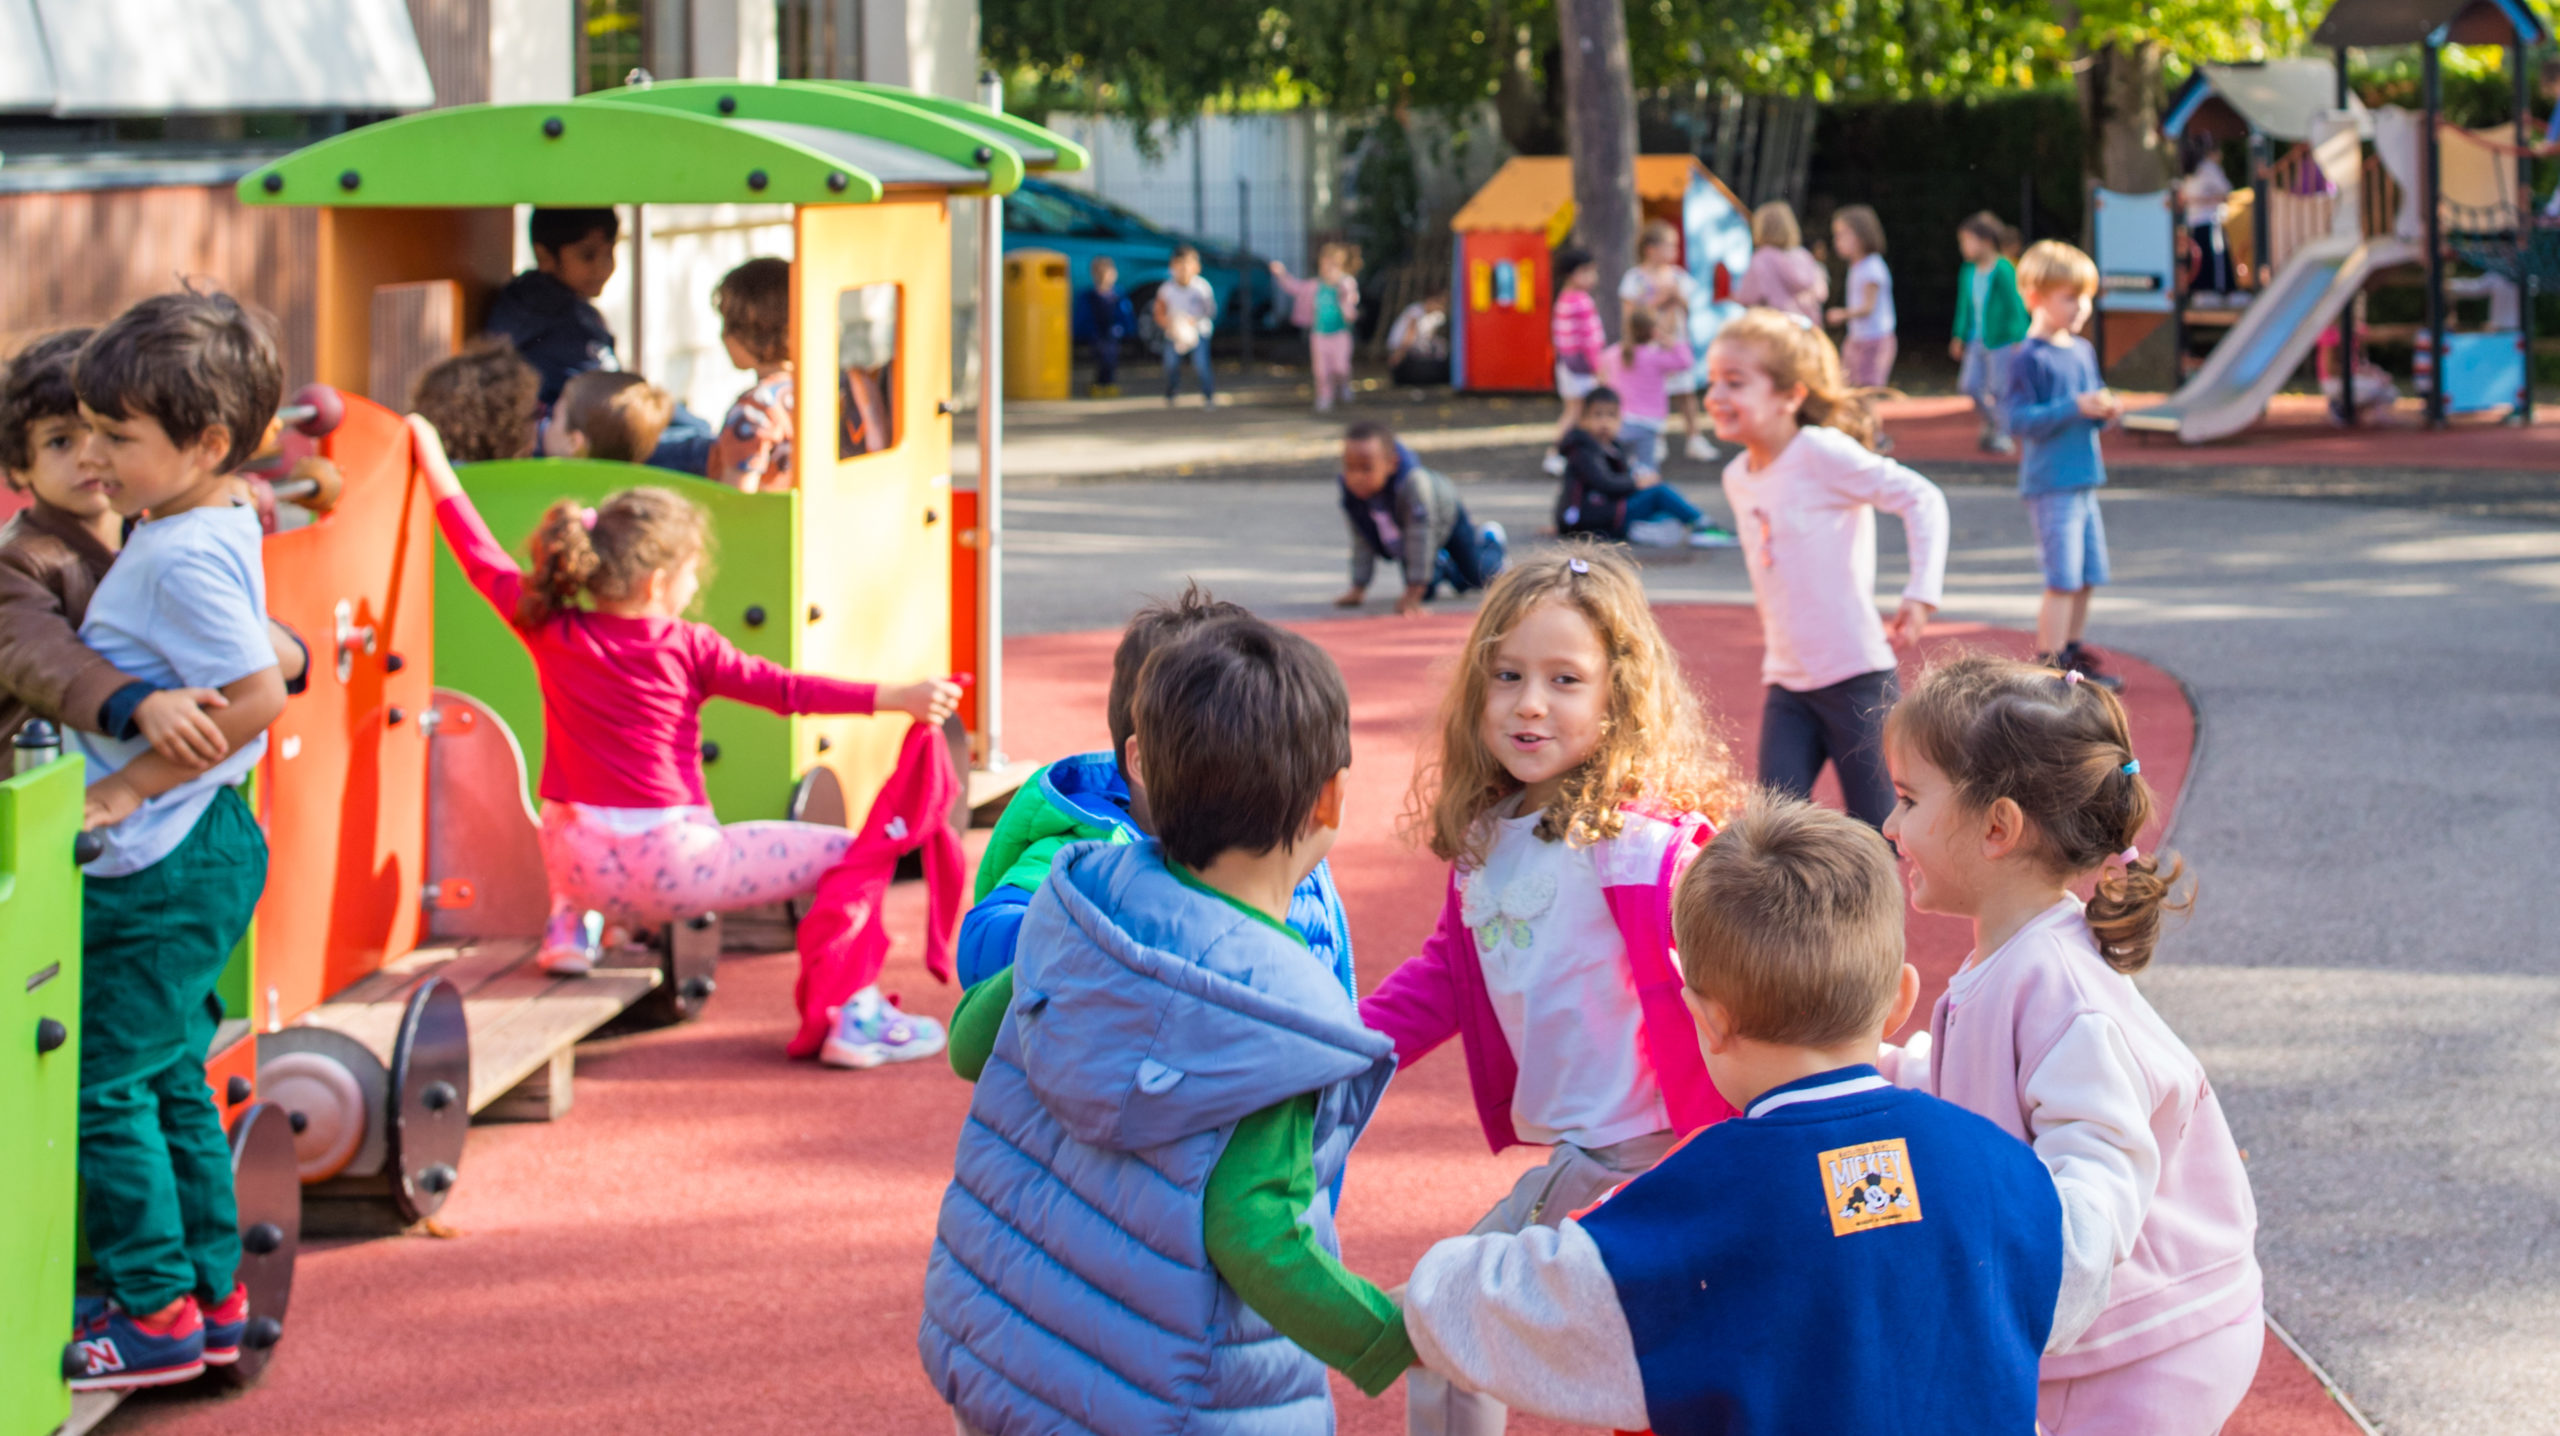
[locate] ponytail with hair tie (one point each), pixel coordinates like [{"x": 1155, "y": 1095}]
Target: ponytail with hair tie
[{"x": 608, "y": 550}]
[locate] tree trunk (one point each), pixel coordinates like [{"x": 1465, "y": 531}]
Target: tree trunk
[
  {"x": 2120, "y": 95},
  {"x": 1600, "y": 133}
]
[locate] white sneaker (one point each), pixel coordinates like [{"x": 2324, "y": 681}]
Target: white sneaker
[
  {"x": 1658, "y": 533},
  {"x": 1553, "y": 463},
  {"x": 870, "y": 1033},
  {"x": 569, "y": 942},
  {"x": 1700, "y": 450}
]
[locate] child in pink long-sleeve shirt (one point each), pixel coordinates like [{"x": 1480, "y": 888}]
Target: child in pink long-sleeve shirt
[
  {"x": 1579, "y": 341},
  {"x": 627, "y": 829},
  {"x": 2017, "y": 784}
]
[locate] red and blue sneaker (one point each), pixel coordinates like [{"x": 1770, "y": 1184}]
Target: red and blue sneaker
[
  {"x": 112, "y": 1349},
  {"x": 225, "y": 1322}
]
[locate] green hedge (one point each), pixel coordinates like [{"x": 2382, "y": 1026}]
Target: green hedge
[{"x": 1927, "y": 164}]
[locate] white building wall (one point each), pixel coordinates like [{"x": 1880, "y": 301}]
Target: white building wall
[
  {"x": 1263, "y": 181},
  {"x": 532, "y": 51}
]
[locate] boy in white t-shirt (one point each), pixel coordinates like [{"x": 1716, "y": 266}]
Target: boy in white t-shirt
[
  {"x": 1866, "y": 356},
  {"x": 1186, "y": 310},
  {"x": 178, "y": 391}
]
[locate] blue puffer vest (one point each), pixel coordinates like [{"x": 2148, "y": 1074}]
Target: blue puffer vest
[{"x": 1070, "y": 1290}]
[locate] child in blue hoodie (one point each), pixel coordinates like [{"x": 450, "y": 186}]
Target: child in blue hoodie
[
  {"x": 1088, "y": 797},
  {"x": 1846, "y": 1254},
  {"x": 1138, "y": 1236}
]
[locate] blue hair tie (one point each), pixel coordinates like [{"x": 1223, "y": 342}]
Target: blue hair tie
[{"x": 2133, "y": 767}]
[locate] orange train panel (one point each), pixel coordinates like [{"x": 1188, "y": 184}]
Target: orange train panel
[
  {"x": 239, "y": 1060},
  {"x": 964, "y": 600},
  {"x": 345, "y": 776}
]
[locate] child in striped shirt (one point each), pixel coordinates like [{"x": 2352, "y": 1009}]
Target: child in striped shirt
[{"x": 1579, "y": 342}]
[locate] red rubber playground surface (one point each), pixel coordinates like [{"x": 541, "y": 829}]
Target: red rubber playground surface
[{"x": 716, "y": 1240}]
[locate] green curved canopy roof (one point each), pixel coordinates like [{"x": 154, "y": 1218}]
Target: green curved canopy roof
[{"x": 675, "y": 142}]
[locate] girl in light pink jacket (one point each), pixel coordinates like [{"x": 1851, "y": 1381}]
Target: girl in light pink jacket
[
  {"x": 2015, "y": 785},
  {"x": 1573, "y": 779}
]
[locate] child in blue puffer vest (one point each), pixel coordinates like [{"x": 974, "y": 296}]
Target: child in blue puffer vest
[
  {"x": 1138, "y": 1236},
  {"x": 1088, "y": 797}
]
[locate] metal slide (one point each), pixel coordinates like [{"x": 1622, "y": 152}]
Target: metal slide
[{"x": 2271, "y": 339}]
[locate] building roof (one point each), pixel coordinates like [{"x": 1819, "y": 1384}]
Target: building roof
[
  {"x": 1535, "y": 192},
  {"x": 2377, "y": 24},
  {"x": 675, "y": 142},
  {"x": 2276, "y": 98},
  {"x": 103, "y": 58}
]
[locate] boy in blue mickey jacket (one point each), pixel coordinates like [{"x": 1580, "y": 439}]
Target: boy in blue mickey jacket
[
  {"x": 1089, "y": 798},
  {"x": 1844, "y": 1254},
  {"x": 1138, "y": 1238}
]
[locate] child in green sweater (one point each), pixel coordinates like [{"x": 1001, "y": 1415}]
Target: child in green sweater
[{"x": 1989, "y": 318}]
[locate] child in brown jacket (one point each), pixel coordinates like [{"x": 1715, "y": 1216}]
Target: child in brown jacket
[{"x": 52, "y": 555}]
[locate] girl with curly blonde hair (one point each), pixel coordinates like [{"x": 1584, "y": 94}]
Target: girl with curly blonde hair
[{"x": 1572, "y": 777}]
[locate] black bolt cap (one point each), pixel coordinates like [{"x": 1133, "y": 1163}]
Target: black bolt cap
[
  {"x": 50, "y": 1035},
  {"x": 838, "y": 182},
  {"x": 235, "y": 1091},
  {"x": 393, "y": 663},
  {"x": 728, "y": 104},
  {"x": 396, "y": 717},
  {"x": 263, "y": 1332},
  {"x": 273, "y": 183},
  {"x": 825, "y": 743},
  {"x": 982, "y": 154},
  {"x": 756, "y": 180},
  {"x": 755, "y": 615},
  {"x": 262, "y": 1239},
  {"x": 88, "y": 848},
  {"x": 438, "y": 1179},
  {"x": 699, "y": 922},
  {"x": 816, "y": 613},
  {"x": 552, "y": 128},
  {"x": 300, "y": 1122},
  {"x": 349, "y": 179},
  {"x": 710, "y": 752},
  {"x": 698, "y": 988},
  {"x": 438, "y": 1096}
]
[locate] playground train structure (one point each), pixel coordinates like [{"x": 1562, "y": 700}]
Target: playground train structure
[{"x": 387, "y": 994}]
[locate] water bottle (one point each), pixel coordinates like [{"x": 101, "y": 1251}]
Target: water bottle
[{"x": 38, "y": 743}]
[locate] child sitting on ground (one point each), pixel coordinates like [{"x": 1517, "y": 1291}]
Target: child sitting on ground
[
  {"x": 483, "y": 402},
  {"x": 627, "y": 831},
  {"x": 548, "y": 312},
  {"x": 1841, "y": 1245},
  {"x": 1804, "y": 492},
  {"x": 1108, "y": 321},
  {"x": 178, "y": 390},
  {"x": 1572, "y": 777},
  {"x": 1411, "y": 516},
  {"x": 1325, "y": 306},
  {"x": 607, "y": 416},
  {"x": 753, "y": 451},
  {"x": 52, "y": 555},
  {"x": 2058, "y": 402},
  {"x": 2019, "y": 787},
  {"x": 1089, "y": 797},
  {"x": 1139, "y": 1232},
  {"x": 1607, "y": 496}
]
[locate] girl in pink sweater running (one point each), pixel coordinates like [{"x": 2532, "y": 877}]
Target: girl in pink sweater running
[
  {"x": 1574, "y": 778},
  {"x": 627, "y": 830},
  {"x": 2017, "y": 784}
]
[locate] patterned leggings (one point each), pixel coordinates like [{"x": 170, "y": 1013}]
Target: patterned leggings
[{"x": 640, "y": 873}]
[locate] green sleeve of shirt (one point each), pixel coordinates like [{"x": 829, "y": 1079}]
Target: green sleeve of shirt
[
  {"x": 1257, "y": 1198},
  {"x": 975, "y": 1022}
]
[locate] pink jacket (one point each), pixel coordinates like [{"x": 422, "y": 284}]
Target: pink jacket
[
  {"x": 844, "y": 939},
  {"x": 2194, "y": 1267},
  {"x": 1441, "y": 993},
  {"x": 1302, "y": 298}
]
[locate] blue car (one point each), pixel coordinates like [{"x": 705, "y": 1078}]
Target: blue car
[{"x": 1083, "y": 227}]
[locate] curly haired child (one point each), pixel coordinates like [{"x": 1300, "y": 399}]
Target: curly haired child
[
  {"x": 482, "y": 401},
  {"x": 627, "y": 829},
  {"x": 2018, "y": 784},
  {"x": 1572, "y": 776}
]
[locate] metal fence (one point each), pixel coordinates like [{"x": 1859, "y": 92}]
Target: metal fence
[{"x": 1252, "y": 181}]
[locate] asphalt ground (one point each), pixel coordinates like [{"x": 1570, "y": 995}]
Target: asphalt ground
[{"x": 2370, "y": 975}]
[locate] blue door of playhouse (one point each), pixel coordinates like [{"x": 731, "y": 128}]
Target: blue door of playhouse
[{"x": 1716, "y": 234}]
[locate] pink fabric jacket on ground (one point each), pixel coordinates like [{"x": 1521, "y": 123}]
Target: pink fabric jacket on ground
[
  {"x": 843, "y": 941},
  {"x": 1302, "y": 298},
  {"x": 1441, "y": 994},
  {"x": 2194, "y": 1267}
]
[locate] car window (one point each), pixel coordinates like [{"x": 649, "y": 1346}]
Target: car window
[{"x": 1046, "y": 209}]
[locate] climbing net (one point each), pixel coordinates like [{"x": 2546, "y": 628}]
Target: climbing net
[{"x": 2499, "y": 240}]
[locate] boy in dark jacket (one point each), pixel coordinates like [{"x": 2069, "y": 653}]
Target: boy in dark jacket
[
  {"x": 1105, "y": 318},
  {"x": 52, "y": 555},
  {"x": 1606, "y": 496},
  {"x": 1843, "y": 1246},
  {"x": 549, "y": 311},
  {"x": 1411, "y": 516}
]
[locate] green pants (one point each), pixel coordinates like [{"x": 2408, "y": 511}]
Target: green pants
[{"x": 155, "y": 1169}]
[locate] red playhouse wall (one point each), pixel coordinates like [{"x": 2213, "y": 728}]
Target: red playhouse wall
[{"x": 1507, "y": 344}]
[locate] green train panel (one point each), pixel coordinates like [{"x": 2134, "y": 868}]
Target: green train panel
[{"x": 39, "y": 1090}]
